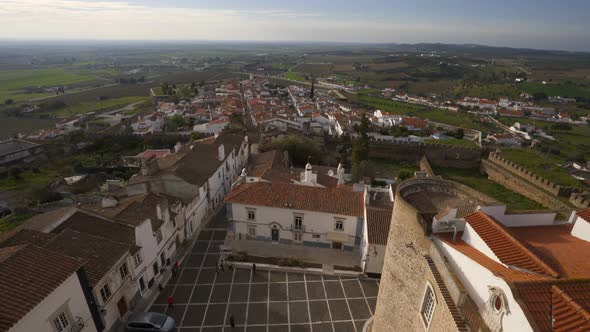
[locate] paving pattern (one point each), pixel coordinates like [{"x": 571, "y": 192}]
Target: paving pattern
[{"x": 205, "y": 297}]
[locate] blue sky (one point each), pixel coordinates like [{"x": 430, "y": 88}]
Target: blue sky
[{"x": 518, "y": 23}]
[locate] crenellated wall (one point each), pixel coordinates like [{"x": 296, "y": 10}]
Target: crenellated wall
[
  {"x": 580, "y": 200},
  {"x": 437, "y": 154}
]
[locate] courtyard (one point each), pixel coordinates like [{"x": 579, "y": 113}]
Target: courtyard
[{"x": 205, "y": 297}]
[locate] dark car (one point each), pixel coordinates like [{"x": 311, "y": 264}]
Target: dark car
[{"x": 149, "y": 321}]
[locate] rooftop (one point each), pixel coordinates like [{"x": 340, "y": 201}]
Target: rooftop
[
  {"x": 298, "y": 197},
  {"x": 378, "y": 222},
  {"x": 29, "y": 274}
]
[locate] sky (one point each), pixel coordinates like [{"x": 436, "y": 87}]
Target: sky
[{"x": 542, "y": 24}]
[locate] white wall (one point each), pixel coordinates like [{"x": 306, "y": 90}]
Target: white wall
[
  {"x": 519, "y": 220},
  {"x": 313, "y": 222},
  {"x": 471, "y": 237},
  {"x": 477, "y": 280},
  {"x": 68, "y": 293},
  {"x": 581, "y": 229}
]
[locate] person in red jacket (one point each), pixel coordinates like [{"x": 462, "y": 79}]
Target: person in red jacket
[{"x": 170, "y": 302}]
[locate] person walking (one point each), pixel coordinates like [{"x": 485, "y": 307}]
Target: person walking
[
  {"x": 253, "y": 268},
  {"x": 170, "y": 302},
  {"x": 232, "y": 321}
]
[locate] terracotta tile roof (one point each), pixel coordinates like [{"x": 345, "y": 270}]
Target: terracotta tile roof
[
  {"x": 448, "y": 300},
  {"x": 535, "y": 300},
  {"x": 84, "y": 222},
  {"x": 100, "y": 254},
  {"x": 585, "y": 214},
  {"x": 25, "y": 236},
  {"x": 556, "y": 246},
  {"x": 571, "y": 307},
  {"x": 29, "y": 274},
  {"x": 509, "y": 250},
  {"x": 378, "y": 222},
  {"x": 477, "y": 256},
  {"x": 298, "y": 197}
]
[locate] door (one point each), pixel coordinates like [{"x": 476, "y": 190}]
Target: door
[
  {"x": 122, "y": 306},
  {"x": 337, "y": 245},
  {"x": 275, "y": 235}
]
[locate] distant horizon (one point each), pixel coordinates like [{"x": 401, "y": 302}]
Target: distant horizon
[
  {"x": 528, "y": 24},
  {"x": 270, "y": 42}
]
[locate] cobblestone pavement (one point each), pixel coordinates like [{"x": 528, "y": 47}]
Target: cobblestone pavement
[{"x": 205, "y": 297}]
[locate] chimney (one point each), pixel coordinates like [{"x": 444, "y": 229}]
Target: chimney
[
  {"x": 177, "y": 147},
  {"x": 221, "y": 152},
  {"x": 308, "y": 173},
  {"x": 340, "y": 174}
]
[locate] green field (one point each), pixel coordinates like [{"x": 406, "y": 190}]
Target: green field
[
  {"x": 392, "y": 169},
  {"x": 294, "y": 76},
  {"x": 94, "y": 106},
  {"x": 545, "y": 165},
  {"x": 13, "y": 221},
  {"x": 474, "y": 179},
  {"x": 18, "y": 84},
  {"x": 563, "y": 90}
]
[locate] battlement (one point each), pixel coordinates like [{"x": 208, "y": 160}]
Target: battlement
[
  {"x": 428, "y": 145},
  {"x": 537, "y": 180},
  {"x": 580, "y": 200}
]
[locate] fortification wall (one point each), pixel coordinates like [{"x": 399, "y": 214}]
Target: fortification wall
[
  {"x": 425, "y": 167},
  {"x": 580, "y": 200},
  {"x": 501, "y": 175},
  {"x": 530, "y": 176},
  {"x": 437, "y": 154}
]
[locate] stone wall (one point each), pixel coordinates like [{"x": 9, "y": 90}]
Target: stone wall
[
  {"x": 580, "y": 200},
  {"x": 425, "y": 167},
  {"x": 437, "y": 154},
  {"x": 503, "y": 176},
  {"x": 530, "y": 176}
]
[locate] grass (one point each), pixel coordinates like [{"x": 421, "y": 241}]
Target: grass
[
  {"x": 456, "y": 142},
  {"x": 294, "y": 76},
  {"x": 13, "y": 83},
  {"x": 565, "y": 89},
  {"x": 474, "y": 179},
  {"x": 391, "y": 169},
  {"x": 544, "y": 165},
  {"x": 94, "y": 106},
  {"x": 13, "y": 221},
  {"x": 30, "y": 180}
]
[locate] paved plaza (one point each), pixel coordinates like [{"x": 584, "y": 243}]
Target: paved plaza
[{"x": 205, "y": 299}]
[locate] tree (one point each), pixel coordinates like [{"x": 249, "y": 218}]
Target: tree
[
  {"x": 538, "y": 96},
  {"x": 9, "y": 101},
  {"x": 177, "y": 120},
  {"x": 299, "y": 148},
  {"x": 360, "y": 148},
  {"x": 404, "y": 174}
]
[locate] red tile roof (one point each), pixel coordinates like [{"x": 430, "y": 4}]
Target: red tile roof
[
  {"x": 298, "y": 197},
  {"x": 571, "y": 307},
  {"x": 29, "y": 274},
  {"x": 509, "y": 250},
  {"x": 378, "y": 222},
  {"x": 477, "y": 256},
  {"x": 556, "y": 246},
  {"x": 585, "y": 214}
]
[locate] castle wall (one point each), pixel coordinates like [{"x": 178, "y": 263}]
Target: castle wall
[
  {"x": 502, "y": 176},
  {"x": 437, "y": 154}
]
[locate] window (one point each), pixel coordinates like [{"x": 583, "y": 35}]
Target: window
[
  {"x": 156, "y": 268},
  {"x": 105, "y": 292},
  {"x": 138, "y": 258},
  {"x": 316, "y": 236},
  {"x": 159, "y": 236},
  {"x": 251, "y": 215},
  {"x": 123, "y": 271},
  {"x": 297, "y": 237},
  {"x": 141, "y": 283},
  {"x": 251, "y": 230},
  {"x": 61, "y": 322},
  {"x": 428, "y": 305},
  {"x": 497, "y": 302},
  {"x": 298, "y": 223},
  {"x": 339, "y": 226}
]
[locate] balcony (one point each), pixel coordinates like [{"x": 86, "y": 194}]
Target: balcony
[
  {"x": 294, "y": 228},
  {"x": 77, "y": 325}
]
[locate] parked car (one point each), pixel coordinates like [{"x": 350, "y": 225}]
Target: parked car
[{"x": 149, "y": 321}]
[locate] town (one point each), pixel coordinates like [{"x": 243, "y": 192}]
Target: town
[{"x": 266, "y": 214}]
